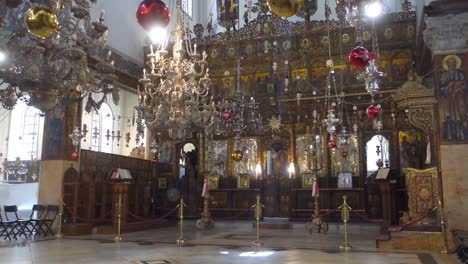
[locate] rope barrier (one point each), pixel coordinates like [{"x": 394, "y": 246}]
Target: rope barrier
[
  {"x": 130, "y": 213},
  {"x": 67, "y": 211},
  {"x": 392, "y": 227},
  {"x": 243, "y": 212}
]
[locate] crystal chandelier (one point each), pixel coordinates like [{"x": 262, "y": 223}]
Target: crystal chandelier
[
  {"x": 238, "y": 115},
  {"x": 51, "y": 47},
  {"x": 173, "y": 95}
]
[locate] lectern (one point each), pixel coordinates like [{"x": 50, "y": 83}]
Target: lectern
[
  {"x": 120, "y": 180},
  {"x": 387, "y": 185}
]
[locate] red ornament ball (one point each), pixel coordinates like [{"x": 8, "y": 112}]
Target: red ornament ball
[
  {"x": 332, "y": 144},
  {"x": 226, "y": 116},
  {"x": 359, "y": 57},
  {"x": 151, "y": 13},
  {"x": 372, "y": 111},
  {"x": 74, "y": 155},
  {"x": 154, "y": 160},
  {"x": 344, "y": 154}
]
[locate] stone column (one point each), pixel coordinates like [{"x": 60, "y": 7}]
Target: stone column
[
  {"x": 446, "y": 35},
  {"x": 57, "y": 152}
]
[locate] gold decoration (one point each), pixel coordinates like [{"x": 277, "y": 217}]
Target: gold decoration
[
  {"x": 41, "y": 22},
  {"x": 243, "y": 181},
  {"x": 345, "y": 38},
  {"x": 446, "y": 58},
  {"x": 388, "y": 33},
  {"x": 285, "y": 8},
  {"x": 258, "y": 215},
  {"x": 422, "y": 190},
  {"x": 237, "y": 155},
  {"x": 345, "y": 209}
]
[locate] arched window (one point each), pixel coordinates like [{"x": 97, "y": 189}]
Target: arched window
[
  {"x": 25, "y": 137},
  {"x": 187, "y": 7},
  {"x": 107, "y": 121},
  {"x": 102, "y": 126},
  {"x": 96, "y": 131}
]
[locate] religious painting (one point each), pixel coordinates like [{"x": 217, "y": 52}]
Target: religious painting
[
  {"x": 162, "y": 183},
  {"x": 243, "y": 181},
  {"x": 55, "y": 125},
  {"x": 213, "y": 182},
  {"x": 307, "y": 180},
  {"x": 248, "y": 163},
  {"x": 216, "y": 157},
  {"x": 453, "y": 99},
  {"x": 227, "y": 13},
  {"x": 345, "y": 180},
  {"x": 302, "y": 154},
  {"x": 400, "y": 69},
  {"x": 301, "y": 73},
  {"x": 319, "y": 76},
  {"x": 165, "y": 154},
  {"x": 345, "y": 158},
  {"x": 246, "y": 85},
  {"x": 228, "y": 87},
  {"x": 261, "y": 82},
  {"x": 413, "y": 149},
  {"x": 340, "y": 76}
]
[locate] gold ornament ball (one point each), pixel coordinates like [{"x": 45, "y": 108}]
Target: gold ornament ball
[
  {"x": 285, "y": 8},
  {"x": 237, "y": 155},
  {"x": 41, "y": 22}
]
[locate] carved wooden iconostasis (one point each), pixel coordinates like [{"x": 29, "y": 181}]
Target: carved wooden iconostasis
[
  {"x": 304, "y": 46},
  {"x": 279, "y": 164}
]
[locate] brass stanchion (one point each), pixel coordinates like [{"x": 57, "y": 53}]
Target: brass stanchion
[
  {"x": 345, "y": 217},
  {"x": 119, "y": 218},
  {"x": 205, "y": 222},
  {"x": 443, "y": 227},
  {"x": 258, "y": 215},
  {"x": 181, "y": 240},
  {"x": 316, "y": 223},
  {"x": 60, "y": 215}
]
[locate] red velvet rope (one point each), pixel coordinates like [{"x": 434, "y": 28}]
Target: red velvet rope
[
  {"x": 130, "y": 213},
  {"x": 393, "y": 227}
]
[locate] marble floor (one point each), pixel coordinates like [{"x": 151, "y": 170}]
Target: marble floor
[{"x": 226, "y": 243}]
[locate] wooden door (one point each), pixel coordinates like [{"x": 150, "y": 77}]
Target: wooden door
[{"x": 276, "y": 185}]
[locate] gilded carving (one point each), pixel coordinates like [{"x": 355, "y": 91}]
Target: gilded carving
[
  {"x": 388, "y": 33},
  {"x": 422, "y": 187}
]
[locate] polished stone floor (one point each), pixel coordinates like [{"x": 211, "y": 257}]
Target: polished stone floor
[{"x": 226, "y": 243}]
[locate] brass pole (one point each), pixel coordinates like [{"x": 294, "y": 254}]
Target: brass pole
[
  {"x": 444, "y": 231},
  {"x": 345, "y": 217},
  {"x": 119, "y": 218},
  {"x": 60, "y": 215},
  {"x": 316, "y": 223},
  {"x": 181, "y": 240},
  {"x": 205, "y": 222},
  {"x": 258, "y": 215}
]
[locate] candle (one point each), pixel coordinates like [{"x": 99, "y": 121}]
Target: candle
[
  {"x": 195, "y": 48},
  {"x": 258, "y": 170},
  {"x": 151, "y": 48},
  {"x": 103, "y": 12}
]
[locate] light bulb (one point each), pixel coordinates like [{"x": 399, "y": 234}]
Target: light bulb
[
  {"x": 3, "y": 56},
  {"x": 373, "y": 9},
  {"x": 157, "y": 35}
]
